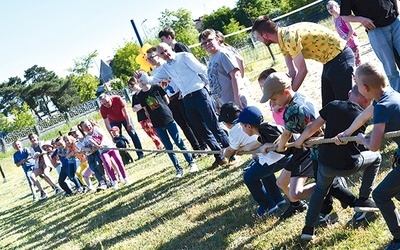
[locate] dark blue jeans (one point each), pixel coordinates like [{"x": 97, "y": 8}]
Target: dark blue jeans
[
  {"x": 201, "y": 114},
  {"x": 96, "y": 165},
  {"x": 132, "y": 133},
  {"x": 383, "y": 196},
  {"x": 61, "y": 179},
  {"x": 172, "y": 130},
  {"x": 261, "y": 182},
  {"x": 71, "y": 173}
]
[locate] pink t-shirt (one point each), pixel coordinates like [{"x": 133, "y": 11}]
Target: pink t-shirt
[
  {"x": 114, "y": 113},
  {"x": 343, "y": 31}
]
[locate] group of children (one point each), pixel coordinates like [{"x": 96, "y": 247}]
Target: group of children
[
  {"x": 85, "y": 151},
  {"x": 325, "y": 162}
]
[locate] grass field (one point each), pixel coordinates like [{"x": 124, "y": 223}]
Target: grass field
[{"x": 210, "y": 209}]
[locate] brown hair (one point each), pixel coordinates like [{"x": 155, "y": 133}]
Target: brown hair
[
  {"x": 151, "y": 50},
  {"x": 167, "y": 31},
  {"x": 206, "y": 33},
  {"x": 265, "y": 73},
  {"x": 264, "y": 24}
]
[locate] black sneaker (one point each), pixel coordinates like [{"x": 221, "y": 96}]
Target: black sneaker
[
  {"x": 365, "y": 205},
  {"x": 327, "y": 219},
  {"x": 292, "y": 210},
  {"x": 361, "y": 218},
  {"x": 308, "y": 233}
]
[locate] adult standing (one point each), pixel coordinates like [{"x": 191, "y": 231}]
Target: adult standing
[
  {"x": 224, "y": 73},
  {"x": 114, "y": 112},
  {"x": 176, "y": 103},
  {"x": 185, "y": 69},
  {"x": 305, "y": 40},
  {"x": 382, "y": 23}
]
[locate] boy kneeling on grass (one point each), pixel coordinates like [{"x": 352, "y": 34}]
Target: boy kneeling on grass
[
  {"x": 385, "y": 112},
  {"x": 253, "y": 133}
]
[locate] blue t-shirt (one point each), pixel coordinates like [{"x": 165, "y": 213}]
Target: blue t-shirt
[
  {"x": 387, "y": 110},
  {"x": 61, "y": 152},
  {"x": 24, "y": 154}
]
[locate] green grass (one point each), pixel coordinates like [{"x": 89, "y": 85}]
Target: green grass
[{"x": 210, "y": 209}]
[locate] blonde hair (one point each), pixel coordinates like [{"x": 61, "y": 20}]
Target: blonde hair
[
  {"x": 334, "y": 3},
  {"x": 368, "y": 74}
]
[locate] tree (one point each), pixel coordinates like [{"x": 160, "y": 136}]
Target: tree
[
  {"x": 289, "y": 5},
  {"x": 10, "y": 95},
  {"x": 22, "y": 118},
  {"x": 83, "y": 64},
  {"x": 86, "y": 86},
  {"x": 218, "y": 19},
  {"x": 37, "y": 85},
  {"x": 63, "y": 94},
  {"x": 37, "y": 74},
  {"x": 124, "y": 63},
  {"x": 234, "y": 26},
  {"x": 79, "y": 82}
]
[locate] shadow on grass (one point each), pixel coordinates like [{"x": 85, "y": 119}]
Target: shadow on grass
[{"x": 73, "y": 216}]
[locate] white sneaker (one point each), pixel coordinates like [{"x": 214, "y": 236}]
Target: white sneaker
[
  {"x": 193, "y": 167},
  {"x": 127, "y": 181},
  {"x": 179, "y": 174},
  {"x": 115, "y": 185}
]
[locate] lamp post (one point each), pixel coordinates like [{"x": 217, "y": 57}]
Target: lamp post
[{"x": 144, "y": 32}]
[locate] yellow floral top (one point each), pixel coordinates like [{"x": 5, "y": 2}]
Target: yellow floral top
[{"x": 313, "y": 40}]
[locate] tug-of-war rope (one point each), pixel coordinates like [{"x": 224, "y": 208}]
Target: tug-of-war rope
[{"x": 309, "y": 143}]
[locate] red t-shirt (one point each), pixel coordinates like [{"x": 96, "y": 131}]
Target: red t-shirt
[{"x": 114, "y": 113}]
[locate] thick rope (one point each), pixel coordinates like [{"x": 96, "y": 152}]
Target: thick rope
[{"x": 308, "y": 143}]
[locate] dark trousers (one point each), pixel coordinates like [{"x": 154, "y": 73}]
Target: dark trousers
[
  {"x": 71, "y": 174},
  {"x": 200, "y": 112},
  {"x": 337, "y": 77},
  {"x": 178, "y": 111},
  {"x": 96, "y": 165},
  {"x": 61, "y": 179}
]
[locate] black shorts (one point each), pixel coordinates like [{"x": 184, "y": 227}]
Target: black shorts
[
  {"x": 301, "y": 165},
  {"x": 304, "y": 169}
]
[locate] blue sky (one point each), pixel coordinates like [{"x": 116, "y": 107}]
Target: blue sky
[{"x": 53, "y": 33}]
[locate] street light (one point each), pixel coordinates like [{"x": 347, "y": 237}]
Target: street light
[{"x": 144, "y": 32}]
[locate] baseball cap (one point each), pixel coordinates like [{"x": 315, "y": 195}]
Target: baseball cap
[
  {"x": 250, "y": 115},
  {"x": 228, "y": 112},
  {"x": 275, "y": 82}
]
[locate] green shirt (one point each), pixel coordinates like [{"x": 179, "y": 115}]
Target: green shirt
[{"x": 313, "y": 40}]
